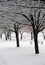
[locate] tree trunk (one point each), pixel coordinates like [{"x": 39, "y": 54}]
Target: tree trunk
[
  {"x": 17, "y": 38},
  {"x": 17, "y": 35},
  {"x": 6, "y": 38},
  {"x": 31, "y": 36},
  {"x": 43, "y": 34},
  {"x": 36, "y": 43},
  {"x": 1, "y": 36},
  {"x": 21, "y": 36},
  {"x": 44, "y": 37},
  {"x": 8, "y": 35}
]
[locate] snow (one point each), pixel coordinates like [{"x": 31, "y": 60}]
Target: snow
[{"x": 24, "y": 55}]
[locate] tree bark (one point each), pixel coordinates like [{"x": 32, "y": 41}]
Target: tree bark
[
  {"x": 1, "y": 36},
  {"x": 8, "y": 35},
  {"x": 31, "y": 36},
  {"x": 21, "y": 36},
  {"x": 6, "y": 38},
  {"x": 36, "y": 43},
  {"x": 17, "y": 38},
  {"x": 17, "y": 35}
]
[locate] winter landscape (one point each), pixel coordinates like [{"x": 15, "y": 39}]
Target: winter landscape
[
  {"x": 25, "y": 54},
  {"x": 22, "y": 32}
]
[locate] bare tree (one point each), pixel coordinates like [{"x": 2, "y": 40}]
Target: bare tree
[
  {"x": 17, "y": 34},
  {"x": 37, "y": 23}
]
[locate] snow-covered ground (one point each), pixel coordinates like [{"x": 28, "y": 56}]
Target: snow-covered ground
[{"x": 25, "y": 55}]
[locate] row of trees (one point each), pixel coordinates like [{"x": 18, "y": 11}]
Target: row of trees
[{"x": 20, "y": 16}]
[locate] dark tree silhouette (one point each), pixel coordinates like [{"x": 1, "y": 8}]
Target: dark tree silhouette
[
  {"x": 1, "y": 36},
  {"x": 17, "y": 27},
  {"x": 31, "y": 35},
  {"x": 17, "y": 34},
  {"x": 37, "y": 25}
]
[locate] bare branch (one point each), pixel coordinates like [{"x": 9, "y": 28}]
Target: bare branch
[
  {"x": 41, "y": 29},
  {"x": 19, "y": 22},
  {"x": 25, "y": 17},
  {"x": 38, "y": 16},
  {"x": 21, "y": 27},
  {"x": 42, "y": 21},
  {"x": 9, "y": 29},
  {"x": 32, "y": 7}
]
